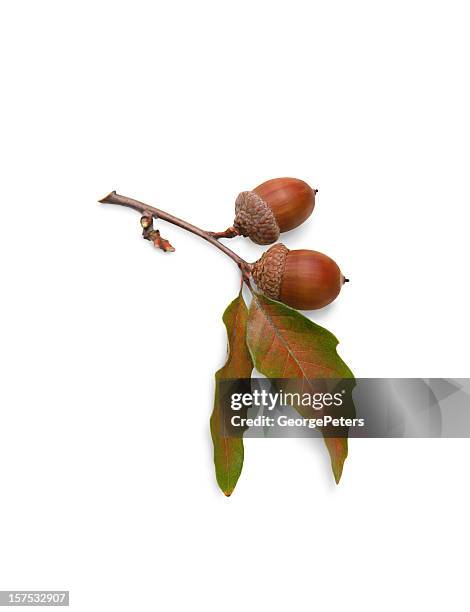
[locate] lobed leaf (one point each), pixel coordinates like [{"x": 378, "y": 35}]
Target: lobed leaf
[
  {"x": 285, "y": 344},
  {"x": 228, "y": 452}
]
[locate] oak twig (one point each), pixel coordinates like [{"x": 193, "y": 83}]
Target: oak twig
[{"x": 149, "y": 212}]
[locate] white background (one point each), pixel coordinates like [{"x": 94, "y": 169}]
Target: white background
[{"x": 109, "y": 347}]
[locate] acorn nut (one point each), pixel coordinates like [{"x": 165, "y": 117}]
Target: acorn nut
[
  {"x": 303, "y": 279},
  {"x": 276, "y": 206}
]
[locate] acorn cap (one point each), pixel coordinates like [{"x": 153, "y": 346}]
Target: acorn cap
[
  {"x": 269, "y": 269},
  {"x": 254, "y": 218}
]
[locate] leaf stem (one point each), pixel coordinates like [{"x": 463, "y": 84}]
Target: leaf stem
[{"x": 156, "y": 213}]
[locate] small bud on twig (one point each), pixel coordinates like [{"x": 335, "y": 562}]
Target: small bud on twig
[{"x": 149, "y": 233}]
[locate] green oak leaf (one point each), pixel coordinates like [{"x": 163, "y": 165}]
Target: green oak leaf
[{"x": 228, "y": 451}]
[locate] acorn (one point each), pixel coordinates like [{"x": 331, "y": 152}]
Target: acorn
[
  {"x": 303, "y": 279},
  {"x": 273, "y": 207}
]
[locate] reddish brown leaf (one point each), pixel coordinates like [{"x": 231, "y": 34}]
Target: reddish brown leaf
[{"x": 285, "y": 344}]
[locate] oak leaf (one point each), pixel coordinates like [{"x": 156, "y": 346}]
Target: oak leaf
[
  {"x": 228, "y": 451},
  {"x": 285, "y": 344}
]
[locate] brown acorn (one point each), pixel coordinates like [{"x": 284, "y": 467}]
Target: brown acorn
[
  {"x": 303, "y": 279},
  {"x": 273, "y": 207}
]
